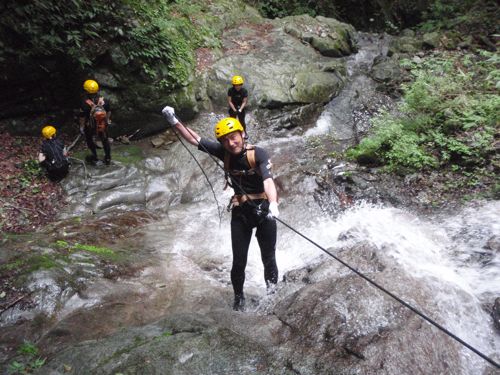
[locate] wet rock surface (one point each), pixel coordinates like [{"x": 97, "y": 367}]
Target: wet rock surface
[
  {"x": 140, "y": 297},
  {"x": 333, "y": 324}
]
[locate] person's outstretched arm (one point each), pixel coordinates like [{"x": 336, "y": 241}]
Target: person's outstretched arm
[{"x": 187, "y": 133}]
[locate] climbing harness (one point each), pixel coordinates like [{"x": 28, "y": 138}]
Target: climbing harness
[
  {"x": 238, "y": 200},
  {"x": 360, "y": 274},
  {"x": 230, "y": 174}
]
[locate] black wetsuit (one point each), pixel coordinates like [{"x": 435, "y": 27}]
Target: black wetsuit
[
  {"x": 249, "y": 215},
  {"x": 90, "y": 131},
  {"x": 237, "y": 97},
  {"x": 55, "y": 163}
]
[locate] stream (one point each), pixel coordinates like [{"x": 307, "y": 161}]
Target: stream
[{"x": 438, "y": 263}]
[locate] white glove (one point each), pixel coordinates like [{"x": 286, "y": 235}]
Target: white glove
[
  {"x": 273, "y": 209},
  {"x": 169, "y": 114}
]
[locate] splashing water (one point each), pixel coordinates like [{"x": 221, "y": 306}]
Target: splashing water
[{"x": 440, "y": 251}]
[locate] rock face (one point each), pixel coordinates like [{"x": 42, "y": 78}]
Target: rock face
[
  {"x": 496, "y": 313},
  {"x": 287, "y": 64},
  {"x": 338, "y": 324},
  {"x": 322, "y": 320}
]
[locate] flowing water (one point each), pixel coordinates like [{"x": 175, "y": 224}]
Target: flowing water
[
  {"x": 446, "y": 252},
  {"x": 440, "y": 251}
]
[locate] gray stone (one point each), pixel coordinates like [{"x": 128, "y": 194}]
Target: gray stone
[
  {"x": 431, "y": 40},
  {"x": 495, "y": 314},
  {"x": 493, "y": 244}
]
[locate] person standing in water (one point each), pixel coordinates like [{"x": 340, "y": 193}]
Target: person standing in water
[
  {"x": 255, "y": 200},
  {"x": 237, "y": 98}
]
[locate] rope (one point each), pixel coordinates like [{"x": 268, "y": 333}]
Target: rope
[
  {"x": 204, "y": 173},
  {"x": 375, "y": 284}
]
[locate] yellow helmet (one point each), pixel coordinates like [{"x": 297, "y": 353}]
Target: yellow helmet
[
  {"x": 227, "y": 125},
  {"x": 48, "y": 131},
  {"x": 237, "y": 80},
  {"x": 90, "y": 86}
]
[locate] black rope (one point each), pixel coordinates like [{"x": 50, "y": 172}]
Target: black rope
[
  {"x": 422, "y": 315},
  {"x": 375, "y": 284},
  {"x": 204, "y": 173}
]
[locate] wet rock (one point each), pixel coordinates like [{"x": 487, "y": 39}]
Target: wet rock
[
  {"x": 158, "y": 141},
  {"x": 495, "y": 314},
  {"x": 493, "y": 244},
  {"x": 405, "y": 44},
  {"x": 296, "y": 117},
  {"x": 296, "y": 276},
  {"x": 338, "y": 324},
  {"x": 123, "y": 139},
  {"x": 184, "y": 344},
  {"x": 386, "y": 69},
  {"x": 298, "y": 76},
  {"x": 327, "y": 35}
]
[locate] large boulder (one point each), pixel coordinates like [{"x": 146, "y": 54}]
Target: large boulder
[
  {"x": 327, "y": 35},
  {"x": 336, "y": 323},
  {"x": 301, "y": 68}
]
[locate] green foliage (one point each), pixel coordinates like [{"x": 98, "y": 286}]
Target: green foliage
[
  {"x": 11, "y": 266},
  {"x": 277, "y": 8},
  {"x": 155, "y": 38},
  {"x": 448, "y": 117},
  {"x": 47, "y": 28},
  {"x": 31, "y": 170},
  {"x": 463, "y": 15},
  {"x": 38, "y": 262},
  {"x": 29, "y": 360},
  {"x": 28, "y": 264},
  {"x": 90, "y": 248},
  {"x": 280, "y": 9},
  {"x": 94, "y": 249},
  {"x": 28, "y": 348}
]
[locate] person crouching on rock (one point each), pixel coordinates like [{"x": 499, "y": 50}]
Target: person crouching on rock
[
  {"x": 255, "y": 200},
  {"x": 53, "y": 156}
]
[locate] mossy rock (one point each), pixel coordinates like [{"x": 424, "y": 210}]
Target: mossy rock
[
  {"x": 317, "y": 87},
  {"x": 126, "y": 154},
  {"x": 328, "y": 36}
]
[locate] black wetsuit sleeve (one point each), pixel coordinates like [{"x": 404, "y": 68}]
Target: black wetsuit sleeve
[
  {"x": 263, "y": 163},
  {"x": 211, "y": 147},
  {"x": 84, "y": 110}
]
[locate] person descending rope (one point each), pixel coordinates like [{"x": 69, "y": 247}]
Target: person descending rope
[
  {"x": 237, "y": 98},
  {"x": 95, "y": 117},
  {"x": 53, "y": 155},
  {"x": 255, "y": 200}
]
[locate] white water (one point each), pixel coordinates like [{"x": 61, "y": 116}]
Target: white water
[{"x": 440, "y": 252}]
